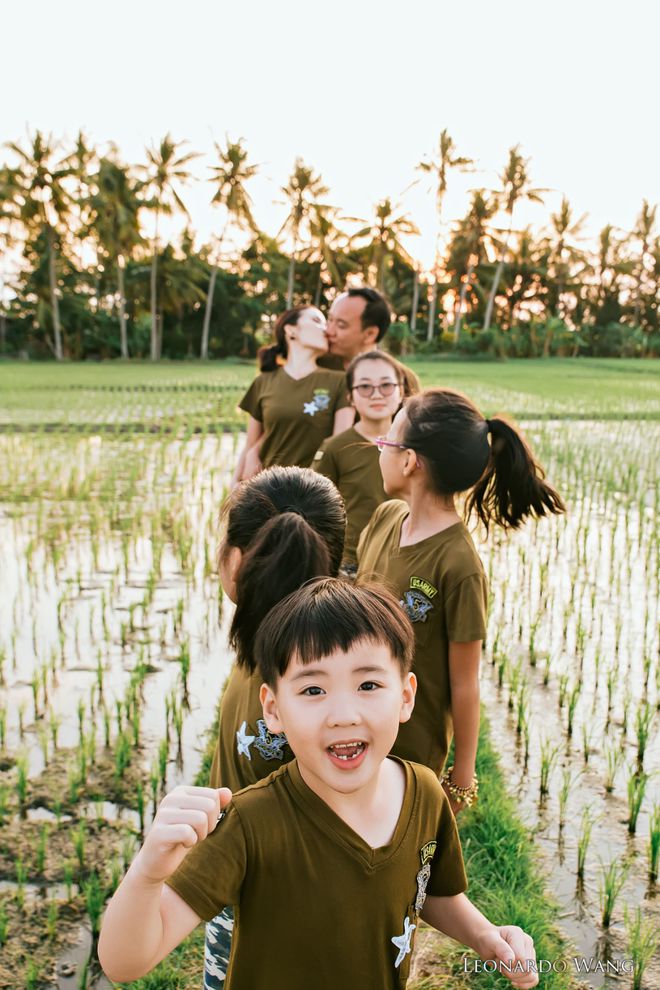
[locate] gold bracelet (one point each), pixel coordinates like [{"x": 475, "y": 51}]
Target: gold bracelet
[{"x": 464, "y": 795}]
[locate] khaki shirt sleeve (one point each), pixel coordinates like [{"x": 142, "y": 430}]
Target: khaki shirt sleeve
[
  {"x": 342, "y": 399},
  {"x": 212, "y": 874},
  {"x": 325, "y": 463},
  {"x": 447, "y": 870},
  {"x": 251, "y": 401},
  {"x": 465, "y": 610}
]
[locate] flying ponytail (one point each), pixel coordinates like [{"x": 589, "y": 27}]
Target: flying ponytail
[{"x": 505, "y": 482}]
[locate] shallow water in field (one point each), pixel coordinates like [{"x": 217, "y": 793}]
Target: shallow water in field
[{"x": 108, "y": 594}]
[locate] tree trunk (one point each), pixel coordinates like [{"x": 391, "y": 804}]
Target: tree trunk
[
  {"x": 123, "y": 336},
  {"x": 54, "y": 301},
  {"x": 432, "y": 307},
  {"x": 292, "y": 271},
  {"x": 154, "y": 296},
  {"x": 204, "y": 351},
  {"x": 159, "y": 335},
  {"x": 415, "y": 303},
  {"x": 461, "y": 302},
  {"x": 496, "y": 282}
]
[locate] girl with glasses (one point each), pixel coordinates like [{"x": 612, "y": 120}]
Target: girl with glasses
[
  {"x": 350, "y": 459},
  {"x": 440, "y": 446}
]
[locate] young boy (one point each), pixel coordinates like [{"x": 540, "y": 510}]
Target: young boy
[{"x": 331, "y": 861}]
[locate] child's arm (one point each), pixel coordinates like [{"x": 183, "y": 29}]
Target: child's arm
[
  {"x": 248, "y": 462},
  {"x": 464, "y": 659},
  {"x": 459, "y": 918},
  {"x": 145, "y": 920}
]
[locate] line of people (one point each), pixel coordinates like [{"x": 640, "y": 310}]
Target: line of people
[{"x": 344, "y": 698}]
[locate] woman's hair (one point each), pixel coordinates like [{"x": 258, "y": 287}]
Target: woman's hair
[
  {"x": 505, "y": 482},
  {"x": 289, "y": 524},
  {"x": 267, "y": 356},
  {"x": 328, "y": 615},
  {"x": 374, "y": 356}
]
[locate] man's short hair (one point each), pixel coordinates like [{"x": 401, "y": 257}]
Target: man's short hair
[
  {"x": 326, "y": 615},
  {"x": 376, "y": 313}
]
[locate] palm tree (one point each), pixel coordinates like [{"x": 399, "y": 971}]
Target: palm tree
[
  {"x": 166, "y": 170},
  {"x": 80, "y": 162},
  {"x": 38, "y": 190},
  {"x": 325, "y": 247},
  {"x": 470, "y": 242},
  {"x": 438, "y": 167},
  {"x": 303, "y": 189},
  {"x": 563, "y": 253},
  {"x": 229, "y": 177},
  {"x": 385, "y": 235},
  {"x": 115, "y": 205},
  {"x": 515, "y": 186},
  {"x": 644, "y": 233}
]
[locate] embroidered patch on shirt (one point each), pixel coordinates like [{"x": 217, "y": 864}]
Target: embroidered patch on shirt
[
  {"x": 416, "y": 601},
  {"x": 426, "y": 854},
  {"x": 320, "y": 402},
  {"x": 269, "y": 744},
  {"x": 403, "y": 942},
  {"x": 244, "y": 741}
]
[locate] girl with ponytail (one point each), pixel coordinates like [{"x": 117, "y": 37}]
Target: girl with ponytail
[
  {"x": 293, "y": 405},
  {"x": 282, "y": 528},
  {"x": 438, "y": 447}
]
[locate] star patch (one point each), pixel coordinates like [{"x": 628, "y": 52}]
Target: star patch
[
  {"x": 269, "y": 744},
  {"x": 402, "y": 942},
  {"x": 310, "y": 408},
  {"x": 244, "y": 741}
]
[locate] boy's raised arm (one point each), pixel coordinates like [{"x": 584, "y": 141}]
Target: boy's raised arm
[
  {"x": 145, "y": 920},
  {"x": 507, "y": 944}
]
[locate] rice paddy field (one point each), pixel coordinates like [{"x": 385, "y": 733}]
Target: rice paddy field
[{"x": 113, "y": 639}]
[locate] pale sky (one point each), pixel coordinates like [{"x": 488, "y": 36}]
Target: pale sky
[{"x": 359, "y": 89}]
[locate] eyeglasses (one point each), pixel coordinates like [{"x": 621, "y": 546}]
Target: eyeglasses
[
  {"x": 381, "y": 443},
  {"x": 366, "y": 391}
]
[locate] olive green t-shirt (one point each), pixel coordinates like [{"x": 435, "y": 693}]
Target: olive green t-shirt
[
  {"x": 246, "y": 750},
  {"x": 296, "y": 414},
  {"x": 315, "y": 905},
  {"x": 351, "y": 462},
  {"x": 411, "y": 383},
  {"x": 443, "y": 590}
]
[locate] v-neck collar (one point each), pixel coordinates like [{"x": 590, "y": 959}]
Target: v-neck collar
[
  {"x": 339, "y": 831},
  {"x": 304, "y": 377}
]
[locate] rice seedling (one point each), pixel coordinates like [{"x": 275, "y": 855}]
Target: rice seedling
[
  {"x": 154, "y": 782},
  {"x": 83, "y": 976},
  {"x": 636, "y": 790},
  {"x": 116, "y": 872},
  {"x": 122, "y": 754},
  {"x": 587, "y": 736},
  {"x": 584, "y": 839},
  {"x": 572, "y": 705},
  {"x": 614, "y": 760},
  {"x": 568, "y": 781},
  {"x": 163, "y": 754},
  {"x": 127, "y": 850},
  {"x": 51, "y": 919},
  {"x": 549, "y": 755},
  {"x": 21, "y": 719},
  {"x": 4, "y": 924},
  {"x": 642, "y": 942},
  {"x": 610, "y": 883},
  {"x": 105, "y": 715},
  {"x": 563, "y": 689},
  {"x": 4, "y": 802},
  {"x": 94, "y": 903},
  {"x": 81, "y": 719},
  {"x": 80, "y": 843},
  {"x": 73, "y": 783},
  {"x": 42, "y": 848},
  {"x": 654, "y": 843},
  {"x": 54, "y": 723},
  {"x": 32, "y": 976},
  {"x": 22, "y": 781},
  {"x": 3, "y": 726},
  {"x": 643, "y": 722}
]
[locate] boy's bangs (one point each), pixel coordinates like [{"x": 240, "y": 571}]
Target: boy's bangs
[{"x": 328, "y": 615}]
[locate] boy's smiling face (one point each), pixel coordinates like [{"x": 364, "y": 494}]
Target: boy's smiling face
[{"x": 341, "y": 714}]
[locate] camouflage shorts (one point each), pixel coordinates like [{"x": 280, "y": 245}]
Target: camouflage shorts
[{"x": 217, "y": 948}]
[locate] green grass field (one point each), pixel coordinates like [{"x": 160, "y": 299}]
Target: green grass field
[{"x": 204, "y": 396}]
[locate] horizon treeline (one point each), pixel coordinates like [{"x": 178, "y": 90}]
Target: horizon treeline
[{"x": 88, "y": 281}]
